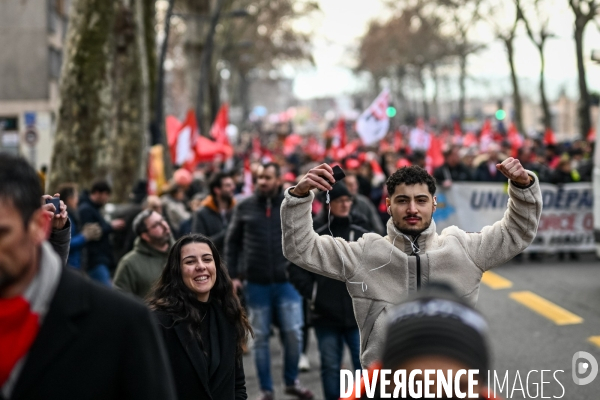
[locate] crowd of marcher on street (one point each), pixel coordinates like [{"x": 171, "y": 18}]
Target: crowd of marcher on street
[{"x": 233, "y": 251}]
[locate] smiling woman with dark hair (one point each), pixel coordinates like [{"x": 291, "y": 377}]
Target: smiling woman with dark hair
[{"x": 202, "y": 322}]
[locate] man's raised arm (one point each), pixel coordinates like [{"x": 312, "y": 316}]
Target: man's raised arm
[
  {"x": 498, "y": 243},
  {"x": 301, "y": 244}
]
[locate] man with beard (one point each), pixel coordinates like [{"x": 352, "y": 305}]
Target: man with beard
[
  {"x": 212, "y": 218},
  {"x": 381, "y": 271},
  {"x": 330, "y": 304},
  {"x": 141, "y": 267},
  {"x": 62, "y": 336},
  {"x": 254, "y": 239}
]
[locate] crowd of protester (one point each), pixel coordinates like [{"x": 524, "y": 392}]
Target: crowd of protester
[{"x": 224, "y": 220}]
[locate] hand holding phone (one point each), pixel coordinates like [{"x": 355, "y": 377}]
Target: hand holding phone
[
  {"x": 56, "y": 202},
  {"x": 338, "y": 173}
]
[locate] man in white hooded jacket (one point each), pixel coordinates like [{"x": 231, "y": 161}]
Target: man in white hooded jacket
[{"x": 381, "y": 271}]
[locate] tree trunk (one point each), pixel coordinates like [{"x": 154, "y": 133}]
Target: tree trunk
[
  {"x": 244, "y": 98},
  {"x": 205, "y": 65},
  {"x": 424, "y": 95},
  {"x": 402, "y": 105},
  {"x": 104, "y": 115},
  {"x": 463, "y": 90},
  {"x": 436, "y": 93},
  {"x": 545, "y": 105},
  {"x": 583, "y": 107},
  {"x": 81, "y": 142},
  {"x": 156, "y": 71},
  {"x": 214, "y": 101},
  {"x": 158, "y": 119},
  {"x": 517, "y": 104}
]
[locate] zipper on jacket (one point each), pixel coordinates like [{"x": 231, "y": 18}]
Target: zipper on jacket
[
  {"x": 415, "y": 245},
  {"x": 418, "y": 272},
  {"x": 268, "y": 207}
]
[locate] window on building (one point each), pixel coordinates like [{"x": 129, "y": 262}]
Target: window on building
[{"x": 54, "y": 62}]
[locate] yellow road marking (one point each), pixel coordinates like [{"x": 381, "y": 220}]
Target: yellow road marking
[
  {"x": 495, "y": 281},
  {"x": 546, "y": 308},
  {"x": 595, "y": 340}
]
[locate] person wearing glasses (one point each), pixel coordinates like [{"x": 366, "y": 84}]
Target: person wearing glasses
[{"x": 141, "y": 267}]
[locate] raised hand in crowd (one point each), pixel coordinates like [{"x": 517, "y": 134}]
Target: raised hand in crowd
[
  {"x": 319, "y": 177},
  {"x": 513, "y": 170},
  {"x": 91, "y": 231},
  {"x": 58, "y": 220}
]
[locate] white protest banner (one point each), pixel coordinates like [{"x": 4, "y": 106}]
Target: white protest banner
[
  {"x": 567, "y": 222},
  {"x": 373, "y": 123}
]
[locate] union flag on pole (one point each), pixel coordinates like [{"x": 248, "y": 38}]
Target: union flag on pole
[{"x": 373, "y": 123}]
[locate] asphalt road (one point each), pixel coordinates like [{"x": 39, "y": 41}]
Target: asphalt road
[
  {"x": 524, "y": 340},
  {"x": 540, "y": 314}
]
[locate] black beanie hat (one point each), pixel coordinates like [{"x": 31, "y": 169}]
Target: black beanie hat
[
  {"x": 339, "y": 190},
  {"x": 437, "y": 322}
]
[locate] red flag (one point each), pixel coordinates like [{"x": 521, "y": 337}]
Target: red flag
[
  {"x": 208, "y": 150},
  {"x": 218, "y": 129},
  {"x": 549, "y": 138},
  {"x": 182, "y": 139}
]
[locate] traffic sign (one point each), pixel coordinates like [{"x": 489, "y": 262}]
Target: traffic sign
[{"x": 31, "y": 136}]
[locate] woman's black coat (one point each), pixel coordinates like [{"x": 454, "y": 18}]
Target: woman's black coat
[{"x": 189, "y": 365}]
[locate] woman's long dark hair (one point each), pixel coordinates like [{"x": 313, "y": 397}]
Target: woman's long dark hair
[{"x": 171, "y": 295}]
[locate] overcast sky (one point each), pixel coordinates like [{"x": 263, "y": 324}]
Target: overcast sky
[{"x": 340, "y": 24}]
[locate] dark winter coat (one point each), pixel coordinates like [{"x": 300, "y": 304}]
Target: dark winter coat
[
  {"x": 209, "y": 221},
  {"x": 483, "y": 174},
  {"x": 95, "y": 344},
  {"x": 253, "y": 242},
  {"x": 458, "y": 173},
  {"x": 98, "y": 251},
  {"x": 331, "y": 305},
  {"x": 221, "y": 378}
]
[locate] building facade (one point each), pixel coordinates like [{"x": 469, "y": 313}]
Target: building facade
[{"x": 32, "y": 35}]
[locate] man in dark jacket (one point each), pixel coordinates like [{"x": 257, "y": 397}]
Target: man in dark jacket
[
  {"x": 453, "y": 170},
  {"x": 331, "y": 305},
  {"x": 213, "y": 217},
  {"x": 486, "y": 170},
  {"x": 363, "y": 205},
  {"x": 141, "y": 267},
  {"x": 254, "y": 236},
  {"x": 76, "y": 340},
  {"x": 100, "y": 260}
]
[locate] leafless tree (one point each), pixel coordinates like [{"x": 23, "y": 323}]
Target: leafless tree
[{"x": 585, "y": 11}]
